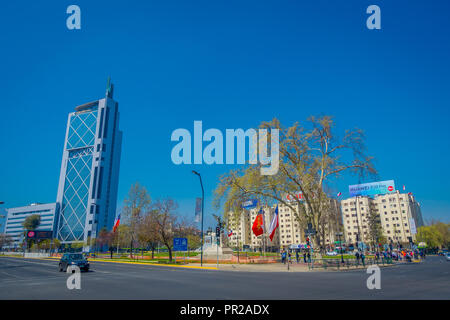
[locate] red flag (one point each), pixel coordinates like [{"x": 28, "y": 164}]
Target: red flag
[{"x": 258, "y": 225}]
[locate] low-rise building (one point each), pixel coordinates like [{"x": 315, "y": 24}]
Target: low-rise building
[{"x": 16, "y": 216}]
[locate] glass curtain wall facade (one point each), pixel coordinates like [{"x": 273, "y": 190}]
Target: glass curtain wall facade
[{"x": 87, "y": 191}]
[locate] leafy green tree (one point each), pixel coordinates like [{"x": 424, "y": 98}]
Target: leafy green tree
[
  {"x": 435, "y": 235},
  {"x": 310, "y": 158},
  {"x": 31, "y": 223}
]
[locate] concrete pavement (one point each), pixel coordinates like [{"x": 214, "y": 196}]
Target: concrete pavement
[{"x": 39, "y": 279}]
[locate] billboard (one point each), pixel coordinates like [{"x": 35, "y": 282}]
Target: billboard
[
  {"x": 38, "y": 235},
  {"x": 371, "y": 189},
  {"x": 412, "y": 223}
]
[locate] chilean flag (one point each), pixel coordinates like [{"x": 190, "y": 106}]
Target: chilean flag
[
  {"x": 339, "y": 194},
  {"x": 116, "y": 223},
  {"x": 230, "y": 233},
  {"x": 273, "y": 224}
]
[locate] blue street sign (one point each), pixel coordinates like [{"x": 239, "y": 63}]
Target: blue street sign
[
  {"x": 252, "y": 203},
  {"x": 180, "y": 244}
]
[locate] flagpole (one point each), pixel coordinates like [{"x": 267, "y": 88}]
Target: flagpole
[{"x": 118, "y": 242}]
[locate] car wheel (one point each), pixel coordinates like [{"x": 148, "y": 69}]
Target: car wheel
[{"x": 60, "y": 268}]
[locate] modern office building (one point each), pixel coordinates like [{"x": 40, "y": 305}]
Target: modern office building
[
  {"x": 3, "y": 214},
  {"x": 88, "y": 182},
  {"x": 16, "y": 216}
]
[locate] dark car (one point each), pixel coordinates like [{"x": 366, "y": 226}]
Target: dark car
[{"x": 73, "y": 259}]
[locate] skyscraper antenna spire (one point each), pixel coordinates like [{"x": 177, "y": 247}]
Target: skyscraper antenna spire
[{"x": 109, "y": 88}]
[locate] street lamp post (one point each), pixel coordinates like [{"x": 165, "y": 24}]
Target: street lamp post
[{"x": 203, "y": 201}]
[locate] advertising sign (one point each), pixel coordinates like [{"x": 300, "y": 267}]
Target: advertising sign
[
  {"x": 249, "y": 204},
  {"x": 297, "y": 195},
  {"x": 371, "y": 189},
  {"x": 412, "y": 223},
  {"x": 38, "y": 235},
  {"x": 180, "y": 244}
]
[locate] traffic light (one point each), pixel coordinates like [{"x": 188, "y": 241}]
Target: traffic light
[
  {"x": 217, "y": 231},
  {"x": 307, "y": 241}
]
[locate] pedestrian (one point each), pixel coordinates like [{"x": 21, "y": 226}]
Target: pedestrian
[
  {"x": 309, "y": 257},
  {"x": 362, "y": 258},
  {"x": 297, "y": 255},
  {"x": 289, "y": 257},
  {"x": 304, "y": 256},
  {"x": 283, "y": 257},
  {"x": 357, "y": 257}
]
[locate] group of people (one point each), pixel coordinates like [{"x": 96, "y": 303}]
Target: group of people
[{"x": 286, "y": 256}]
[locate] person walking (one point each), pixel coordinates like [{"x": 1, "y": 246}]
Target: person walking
[
  {"x": 304, "y": 256},
  {"x": 309, "y": 257},
  {"x": 297, "y": 256},
  {"x": 363, "y": 257},
  {"x": 357, "y": 257},
  {"x": 283, "y": 257}
]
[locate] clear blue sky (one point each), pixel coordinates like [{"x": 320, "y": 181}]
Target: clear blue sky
[{"x": 231, "y": 64}]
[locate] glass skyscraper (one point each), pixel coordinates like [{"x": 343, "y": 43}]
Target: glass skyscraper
[{"x": 89, "y": 177}]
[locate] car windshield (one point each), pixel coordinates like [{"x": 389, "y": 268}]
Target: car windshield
[{"x": 76, "y": 256}]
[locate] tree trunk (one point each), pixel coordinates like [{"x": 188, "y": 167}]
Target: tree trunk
[
  {"x": 170, "y": 253},
  {"x": 131, "y": 249}
]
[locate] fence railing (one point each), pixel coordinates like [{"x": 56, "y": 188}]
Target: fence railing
[{"x": 349, "y": 263}]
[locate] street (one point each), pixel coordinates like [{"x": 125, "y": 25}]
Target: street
[{"x": 39, "y": 279}]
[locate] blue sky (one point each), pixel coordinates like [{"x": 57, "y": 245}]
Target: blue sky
[{"x": 231, "y": 64}]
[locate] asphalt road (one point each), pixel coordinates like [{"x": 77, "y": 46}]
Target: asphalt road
[{"x": 39, "y": 279}]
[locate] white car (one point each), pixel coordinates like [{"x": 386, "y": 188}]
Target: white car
[
  {"x": 332, "y": 253},
  {"x": 447, "y": 256}
]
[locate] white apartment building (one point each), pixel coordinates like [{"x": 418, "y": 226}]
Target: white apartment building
[
  {"x": 290, "y": 231},
  {"x": 399, "y": 215},
  {"x": 240, "y": 225}
]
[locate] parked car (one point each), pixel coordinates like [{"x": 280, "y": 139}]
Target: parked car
[
  {"x": 73, "y": 259},
  {"x": 447, "y": 256}
]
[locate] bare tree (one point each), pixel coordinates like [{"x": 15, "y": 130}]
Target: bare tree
[
  {"x": 309, "y": 159},
  {"x": 5, "y": 240},
  {"x": 148, "y": 233},
  {"x": 135, "y": 205},
  {"x": 166, "y": 222}
]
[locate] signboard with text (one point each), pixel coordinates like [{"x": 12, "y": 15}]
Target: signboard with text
[
  {"x": 249, "y": 204},
  {"x": 180, "y": 244},
  {"x": 371, "y": 189}
]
